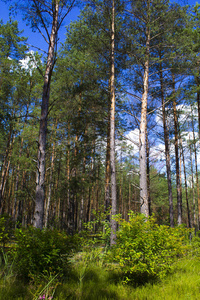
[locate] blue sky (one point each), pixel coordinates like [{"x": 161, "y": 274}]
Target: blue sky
[{"x": 35, "y": 38}]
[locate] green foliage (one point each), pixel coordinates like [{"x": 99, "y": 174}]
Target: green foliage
[
  {"x": 195, "y": 246},
  {"x": 38, "y": 253},
  {"x": 6, "y": 268},
  {"x": 46, "y": 288},
  {"x": 98, "y": 230},
  {"x": 89, "y": 277},
  {"x": 99, "y": 283},
  {"x": 145, "y": 250},
  {"x": 6, "y": 229}
]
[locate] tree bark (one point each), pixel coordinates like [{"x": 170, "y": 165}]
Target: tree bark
[
  {"x": 40, "y": 176},
  {"x": 148, "y": 172},
  {"x": 144, "y": 207},
  {"x": 178, "y": 185},
  {"x": 5, "y": 167},
  {"x": 198, "y": 101},
  {"x": 107, "y": 176},
  {"x": 193, "y": 192},
  {"x": 112, "y": 131},
  {"x": 196, "y": 164},
  {"x": 167, "y": 152},
  {"x": 186, "y": 187},
  {"x": 46, "y": 214}
]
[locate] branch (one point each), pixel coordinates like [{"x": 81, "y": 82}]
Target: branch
[
  {"x": 36, "y": 48},
  {"x": 127, "y": 138},
  {"x": 69, "y": 9},
  {"x": 38, "y": 11},
  {"x": 131, "y": 115}
]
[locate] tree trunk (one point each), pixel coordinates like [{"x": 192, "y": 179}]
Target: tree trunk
[
  {"x": 193, "y": 192},
  {"x": 5, "y": 169},
  {"x": 73, "y": 194},
  {"x": 112, "y": 131},
  {"x": 195, "y": 154},
  {"x": 107, "y": 175},
  {"x": 186, "y": 188},
  {"x": 148, "y": 172},
  {"x": 167, "y": 152},
  {"x": 40, "y": 176},
  {"x": 178, "y": 185},
  {"x": 198, "y": 102},
  {"x": 20, "y": 153},
  {"x": 46, "y": 214},
  {"x": 81, "y": 213},
  {"x": 5, "y": 166},
  {"x": 144, "y": 207}
]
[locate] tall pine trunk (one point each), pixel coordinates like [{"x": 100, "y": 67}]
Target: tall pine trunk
[
  {"x": 186, "y": 187},
  {"x": 196, "y": 163},
  {"x": 178, "y": 184},
  {"x": 198, "y": 106},
  {"x": 144, "y": 207},
  {"x": 193, "y": 191},
  {"x": 112, "y": 131},
  {"x": 107, "y": 175},
  {"x": 40, "y": 176},
  {"x": 5, "y": 168},
  {"x": 198, "y": 101},
  {"x": 47, "y": 207},
  {"x": 148, "y": 172},
  {"x": 167, "y": 152}
]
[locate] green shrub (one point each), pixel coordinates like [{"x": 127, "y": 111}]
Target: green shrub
[
  {"x": 145, "y": 250},
  {"x": 97, "y": 231},
  {"x": 42, "y": 252},
  {"x": 6, "y": 229},
  {"x": 195, "y": 246}
]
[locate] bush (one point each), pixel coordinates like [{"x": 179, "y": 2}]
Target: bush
[
  {"x": 6, "y": 229},
  {"x": 195, "y": 246},
  {"x": 145, "y": 250},
  {"x": 42, "y": 252}
]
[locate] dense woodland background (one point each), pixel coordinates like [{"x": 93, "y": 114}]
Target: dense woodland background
[{"x": 153, "y": 48}]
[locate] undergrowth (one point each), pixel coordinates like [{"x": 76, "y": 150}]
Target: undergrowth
[{"x": 50, "y": 265}]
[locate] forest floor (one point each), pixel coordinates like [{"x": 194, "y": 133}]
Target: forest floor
[{"x": 93, "y": 281}]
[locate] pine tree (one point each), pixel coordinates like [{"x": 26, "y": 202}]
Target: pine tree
[{"x": 41, "y": 15}]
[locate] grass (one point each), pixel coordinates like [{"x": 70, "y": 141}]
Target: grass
[
  {"x": 91, "y": 279},
  {"x": 101, "y": 285}
]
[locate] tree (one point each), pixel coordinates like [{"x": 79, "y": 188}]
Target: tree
[
  {"x": 41, "y": 15},
  {"x": 12, "y": 49},
  {"x": 112, "y": 130},
  {"x": 143, "y": 35}
]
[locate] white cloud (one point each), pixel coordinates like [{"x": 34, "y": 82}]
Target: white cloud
[{"x": 28, "y": 62}]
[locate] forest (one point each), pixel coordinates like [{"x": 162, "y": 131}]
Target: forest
[{"x": 99, "y": 149}]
